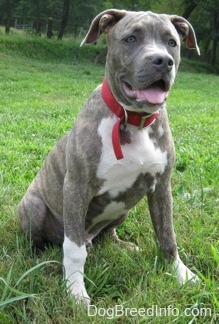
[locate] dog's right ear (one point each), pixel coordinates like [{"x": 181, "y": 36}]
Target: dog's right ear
[
  {"x": 102, "y": 23},
  {"x": 186, "y": 31}
]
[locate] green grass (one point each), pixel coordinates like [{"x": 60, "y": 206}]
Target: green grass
[
  {"x": 39, "y": 102},
  {"x": 21, "y": 44}
]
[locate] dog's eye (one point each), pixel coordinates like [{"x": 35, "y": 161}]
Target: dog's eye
[
  {"x": 172, "y": 42},
  {"x": 130, "y": 39}
]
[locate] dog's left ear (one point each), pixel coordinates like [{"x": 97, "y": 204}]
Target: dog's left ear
[
  {"x": 186, "y": 32},
  {"x": 102, "y": 23}
]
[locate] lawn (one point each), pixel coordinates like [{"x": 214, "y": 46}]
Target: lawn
[{"x": 39, "y": 102}]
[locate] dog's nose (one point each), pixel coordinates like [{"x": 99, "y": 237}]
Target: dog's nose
[{"x": 162, "y": 62}]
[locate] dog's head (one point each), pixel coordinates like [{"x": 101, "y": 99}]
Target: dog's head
[{"x": 143, "y": 54}]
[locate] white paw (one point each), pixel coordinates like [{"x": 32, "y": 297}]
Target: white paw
[
  {"x": 182, "y": 273},
  {"x": 80, "y": 294},
  {"x": 131, "y": 247},
  {"x": 73, "y": 261}
]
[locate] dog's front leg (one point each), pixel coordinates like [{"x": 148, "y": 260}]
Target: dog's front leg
[
  {"x": 74, "y": 249},
  {"x": 160, "y": 206}
]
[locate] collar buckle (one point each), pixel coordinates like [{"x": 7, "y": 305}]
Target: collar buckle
[
  {"x": 125, "y": 122},
  {"x": 142, "y": 122}
]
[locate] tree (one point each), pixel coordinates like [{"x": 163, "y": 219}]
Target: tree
[
  {"x": 37, "y": 4},
  {"x": 49, "y": 28},
  {"x": 215, "y": 36},
  {"x": 65, "y": 15},
  {"x": 190, "y": 7},
  {"x": 7, "y": 6}
]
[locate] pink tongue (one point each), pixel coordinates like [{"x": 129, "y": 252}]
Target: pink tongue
[{"x": 153, "y": 95}]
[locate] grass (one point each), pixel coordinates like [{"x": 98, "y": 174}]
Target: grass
[
  {"x": 39, "y": 102},
  {"x": 68, "y": 50}
]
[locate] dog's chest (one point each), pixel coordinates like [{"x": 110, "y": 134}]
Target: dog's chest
[
  {"x": 125, "y": 181},
  {"x": 141, "y": 156}
]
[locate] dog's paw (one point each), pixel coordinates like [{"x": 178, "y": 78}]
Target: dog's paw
[
  {"x": 182, "y": 273},
  {"x": 82, "y": 300},
  {"x": 79, "y": 293},
  {"x": 131, "y": 247}
]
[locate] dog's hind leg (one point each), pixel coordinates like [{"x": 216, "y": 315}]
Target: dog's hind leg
[{"x": 37, "y": 221}]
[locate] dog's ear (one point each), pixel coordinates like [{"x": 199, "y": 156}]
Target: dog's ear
[
  {"x": 186, "y": 32},
  {"x": 102, "y": 23}
]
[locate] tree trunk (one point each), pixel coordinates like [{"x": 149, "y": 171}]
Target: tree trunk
[
  {"x": 215, "y": 37},
  {"x": 189, "y": 9},
  {"x": 8, "y": 8},
  {"x": 38, "y": 20},
  {"x": 49, "y": 28},
  {"x": 66, "y": 7},
  {"x": 214, "y": 50}
]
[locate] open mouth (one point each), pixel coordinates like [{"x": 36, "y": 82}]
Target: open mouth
[{"x": 154, "y": 94}]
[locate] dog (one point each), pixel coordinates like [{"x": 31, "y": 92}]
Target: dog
[{"x": 119, "y": 150}]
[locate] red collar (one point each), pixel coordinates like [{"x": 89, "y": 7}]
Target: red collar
[{"x": 125, "y": 117}]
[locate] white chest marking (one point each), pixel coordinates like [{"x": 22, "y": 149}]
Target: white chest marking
[
  {"x": 110, "y": 213},
  {"x": 140, "y": 156}
]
